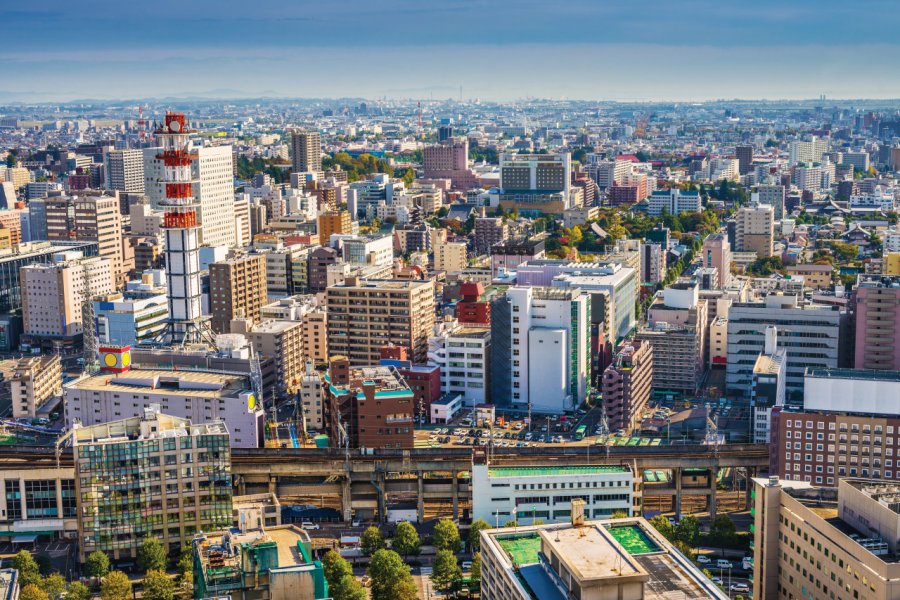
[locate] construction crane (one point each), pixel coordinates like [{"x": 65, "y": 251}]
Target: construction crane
[{"x": 88, "y": 324}]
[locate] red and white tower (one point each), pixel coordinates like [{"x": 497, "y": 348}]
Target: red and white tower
[{"x": 186, "y": 324}]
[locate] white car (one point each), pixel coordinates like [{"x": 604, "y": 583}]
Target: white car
[
  {"x": 723, "y": 564},
  {"x": 466, "y": 565},
  {"x": 703, "y": 560},
  {"x": 309, "y": 525},
  {"x": 739, "y": 587}
]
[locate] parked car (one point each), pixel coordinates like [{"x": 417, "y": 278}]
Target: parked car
[
  {"x": 703, "y": 559},
  {"x": 466, "y": 565},
  {"x": 723, "y": 564},
  {"x": 309, "y": 525},
  {"x": 355, "y": 523},
  {"x": 739, "y": 587}
]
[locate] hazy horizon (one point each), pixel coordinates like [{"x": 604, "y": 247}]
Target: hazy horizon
[{"x": 496, "y": 50}]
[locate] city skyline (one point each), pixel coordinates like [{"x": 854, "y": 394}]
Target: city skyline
[{"x": 492, "y": 50}]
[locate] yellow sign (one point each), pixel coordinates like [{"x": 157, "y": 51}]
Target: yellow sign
[{"x": 251, "y": 402}]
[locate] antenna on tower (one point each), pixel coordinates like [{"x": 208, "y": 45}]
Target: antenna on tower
[
  {"x": 141, "y": 126},
  {"x": 420, "y": 115}
]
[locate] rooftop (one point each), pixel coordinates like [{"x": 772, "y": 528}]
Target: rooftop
[
  {"x": 206, "y": 384},
  {"x": 862, "y": 374},
  {"x": 148, "y": 427},
  {"x": 555, "y": 470}
]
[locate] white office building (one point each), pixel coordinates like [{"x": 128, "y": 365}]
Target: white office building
[
  {"x": 462, "y": 353},
  {"x": 545, "y": 493},
  {"x": 674, "y": 202}
]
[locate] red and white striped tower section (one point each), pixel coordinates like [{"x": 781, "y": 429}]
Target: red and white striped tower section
[{"x": 186, "y": 325}]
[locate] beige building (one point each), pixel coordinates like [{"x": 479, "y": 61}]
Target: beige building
[
  {"x": 312, "y": 399},
  {"x": 89, "y": 218},
  {"x": 237, "y": 288},
  {"x": 755, "y": 230},
  {"x": 331, "y": 222},
  {"x": 817, "y": 542},
  {"x": 35, "y": 380},
  {"x": 283, "y": 341},
  {"x": 364, "y": 315},
  {"x": 53, "y": 294},
  {"x": 306, "y": 152},
  {"x": 125, "y": 170},
  {"x": 816, "y": 277},
  {"x": 315, "y": 336},
  {"x": 450, "y": 257},
  {"x": 38, "y": 501},
  {"x": 177, "y": 483}
]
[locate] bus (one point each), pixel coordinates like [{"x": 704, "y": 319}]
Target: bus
[{"x": 579, "y": 433}]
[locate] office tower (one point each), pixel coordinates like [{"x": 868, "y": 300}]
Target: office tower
[
  {"x": 317, "y": 264},
  {"x": 35, "y": 380},
  {"x": 364, "y": 315},
  {"x": 774, "y": 196},
  {"x": 833, "y": 540},
  {"x": 858, "y": 160},
  {"x": 545, "y": 336},
  {"x": 876, "y": 318},
  {"x": 182, "y": 232},
  {"x": 535, "y": 184},
  {"x": 283, "y": 341},
  {"x": 125, "y": 170},
  {"x": 813, "y": 336},
  {"x": 275, "y": 563},
  {"x": 653, "y": 263},
  {"x": 449, "y": 160},
  {"x": 674, "y": 202},
  {"x": 767, "y": 386},
  {"x": 336, "y": 221},
  {"x": 755, "y": 230},
  {"x": 37, "y": 219},
  {"x": 489, "y": 231},
  {"x": 450, "y": 257},
  {"x": 97, "y": 219},
  {"x": 744, "y": 155},
  {"x": 523, "y": 482},
  {"x": 306, "y": 152},
  {"x": 677, "y": 324},
  {"x": 596, "y": 559},
  {"x": 372, "y": 405},
  {"x": 808, "y": 152},
  {"x": 237, "y": 288},
  {"x": 445, "y": 132},
  {"x": 53, "y": 295},
  {"x": 716, "y": 253},
  {"x": 151, "y": 475},
  {"x": 626, "y": 385}
]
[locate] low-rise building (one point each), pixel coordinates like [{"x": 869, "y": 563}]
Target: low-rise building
[{"x": 36, "y": 380}]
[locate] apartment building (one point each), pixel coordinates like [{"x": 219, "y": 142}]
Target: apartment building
[
  {"x": 151, "y": 475},
  {"x": 35, "y": 380},
  {"x": 673, "y": 202},
  {"x": 331, "y": 222},
  {"x": 626, "y": 385},
  {"x": 306, "y": 152},
  {"x": 237, "y": 288},
  {"x": 283, "y": 341},
  {"x": 716, "y": 254},
  {"x": 125, "y": 170},
  {"x": 755, "y": 230},
  {"x": 463, "y": 355},
  {"x": 450, "y": 257},
  {"x": 364, "y": 315},
  {"x": 876, "y": 318},
  {"x": 489, "y": 231}
]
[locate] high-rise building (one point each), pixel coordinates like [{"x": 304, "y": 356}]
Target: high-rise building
[
  {"x": 138, "y": 315},
  {"x": 372, "y": 405},
  {"x": 808, "y": 152},
  {"x": 489, "y": 231},
  {"x": 53, "y": 294},
  {"x": 674, "y": 202},
  {"x": 365, "y": 315},
  {"x": 774, "y": 196},
  {"x": 716, "y": 253},
  {"x": 653, "y": 263},
  {"x": 283, "y": 341},
  {"x": 317, "y": 268},
  {"x": 626, "y": 385},
  {"x": 237, "y": 288},
  {"x": 876, "y": 317},
  {"x": 97, "y": 219},
  {"x": 125, "y": 170},
  {"x": 595, "y": 559},
  {"x": 450, "y": 257},
  {"x": 767, "y": 386},
  {"x": 545, "y": 335},
  {"x": 813, "y": 336},
  {"x": 755, "y": 230},
  {"x": 336, "y": 221},
  {"x": 818, "y": 541},
  {"x": 536, "y": 183},
  {"x": 463, "y": 355},
  {"x": 150, "y": 475},
  {"x": 306, "y": 152},
  {"x": 449, "y": 160},
  {"x": 29, "y": 254},
  {"x": 744, "y": 154},
  {"x": 677, "y": 325}
]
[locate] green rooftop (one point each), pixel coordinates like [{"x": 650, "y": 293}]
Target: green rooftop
[
  {"x": 633, "y": 538},
  {"x": 523, "y": 549},
  {"x": 550, "y": 471}
]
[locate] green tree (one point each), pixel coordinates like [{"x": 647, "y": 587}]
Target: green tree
[
  {"x": 445, "y": 570},
  {"x": 406, "y": 540},
  {"x": 342, "y": 585},
  {"x": 335, "y": 566},
  {"x": 97, "y": 564},
  {"x": 663, "y": 526},
  {"x": 511, "y": 523},
  {"x": 409, "y": 176},
  {"x": 371, "y": 541},
  {"x": 619, "y": 514},
  {"x": 688, "y": 530},
  {"x": 115, "y": 586},
  {"x": 685, "y": 549},
  {"x": 722, "y": 531},
  {"x": 158, "y": 586},
  {"x": 475, "y": 571},
  {"x": 844, "y": 252},
  {"x": 78, "y": 591},
  {"x": 33, "y": 592},
  {"x": 185, "y": 561},
  {"x": 54, "y": 584},
  {"x": 390, "y": 576},
  {"x": 446, "y": 536},
  {"x": 475, "y": 530},
  {"x": 29, "y": 572},
  {"x": 348, "y": 588},
  {"x": 152, "y": 555},
  {"x": 186, "y": 584}
]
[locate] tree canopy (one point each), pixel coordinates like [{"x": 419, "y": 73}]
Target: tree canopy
[
  {"x": 475, "y": 530},
  {"x": 158, "y": 586},
  {"x": 391, "y": 579},
  {"x": 446, "y": 536},
  {"x": 152, "y": 555},
  {"x": 445, "y": 570},
  {"x": 116, "y": 586},
  {"x": 371, "y": 541},
  {"x": 96, "y": 564},
  {"x": 406, "y": 540}
]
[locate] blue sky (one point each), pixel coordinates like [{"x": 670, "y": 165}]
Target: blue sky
[{"x": 494, "y": 49}]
